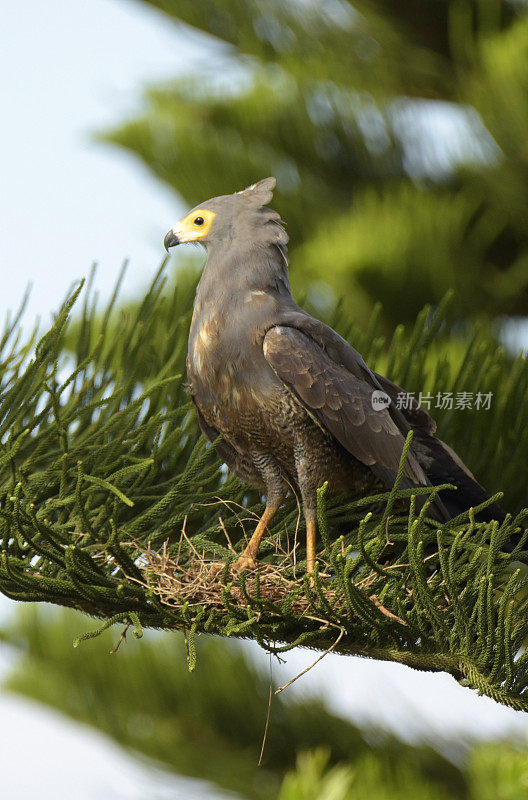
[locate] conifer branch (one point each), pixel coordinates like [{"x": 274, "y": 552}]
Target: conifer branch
[{"x": 112, "y": 503}]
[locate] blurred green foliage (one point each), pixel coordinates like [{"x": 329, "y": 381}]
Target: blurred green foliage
[
  {"x": 396, "y": 129},
  {"x": 210, "y": 725},
  {"x": 492, "y": 772}
]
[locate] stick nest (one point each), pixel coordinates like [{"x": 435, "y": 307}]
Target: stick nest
[{"x": 196, "y": 580}]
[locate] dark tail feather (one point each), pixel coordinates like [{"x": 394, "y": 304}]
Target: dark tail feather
[
  {"x": 469, "y": 495},
  {"x": 442, "y": 465}
]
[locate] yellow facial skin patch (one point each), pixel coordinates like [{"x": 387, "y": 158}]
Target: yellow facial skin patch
[{"x": 194, "y": 226}]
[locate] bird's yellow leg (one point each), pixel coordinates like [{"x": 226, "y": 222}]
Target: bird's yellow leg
[
  {"x": 248, "y": 559},
  {"x": 311, "y": 532}
]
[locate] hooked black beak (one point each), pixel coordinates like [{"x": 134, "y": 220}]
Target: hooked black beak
[{"x": 171, "y": 240}]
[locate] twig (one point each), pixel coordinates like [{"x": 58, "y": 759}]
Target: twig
[
  {"x": 317, "y": 660},
  {"x": 180, "y": 543},
  {"x": 188, "y": 540},
  {"x": 226, "y": 535},
  {"x": 122, "y": 638},
  {"x": 265, "y": 737},
  {"x": 386, "y": 610}
]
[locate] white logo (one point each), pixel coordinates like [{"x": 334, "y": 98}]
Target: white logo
[{"x": 380, "y": 400}]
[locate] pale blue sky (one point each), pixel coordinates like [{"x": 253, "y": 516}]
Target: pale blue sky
[{"x": 72, "y": 68}]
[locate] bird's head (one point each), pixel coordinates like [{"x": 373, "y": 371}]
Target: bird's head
[{"x": 223, "y": 220}]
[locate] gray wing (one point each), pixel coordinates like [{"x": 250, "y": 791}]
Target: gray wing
[
  {"x": 341, "y": 402},
  {"x": 437, "y": 460}
]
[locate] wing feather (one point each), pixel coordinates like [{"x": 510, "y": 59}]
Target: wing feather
[{"x": 341, "y": 402}]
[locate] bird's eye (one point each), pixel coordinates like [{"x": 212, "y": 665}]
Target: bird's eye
[{"x": 199, "y": 220}]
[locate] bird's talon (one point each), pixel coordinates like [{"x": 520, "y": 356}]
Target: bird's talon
[{"x": 245, "y": 562}]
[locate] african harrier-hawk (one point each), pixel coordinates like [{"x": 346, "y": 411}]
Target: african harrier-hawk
[{"x": 290, "y": 397}]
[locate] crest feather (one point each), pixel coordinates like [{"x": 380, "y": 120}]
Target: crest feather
[{"x": 261, "y": 192}]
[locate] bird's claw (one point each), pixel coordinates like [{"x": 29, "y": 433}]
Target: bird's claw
[{"x": 244, "y": 562}]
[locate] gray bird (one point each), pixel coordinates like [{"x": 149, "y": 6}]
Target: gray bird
[{"x": 292, "y": 400}]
